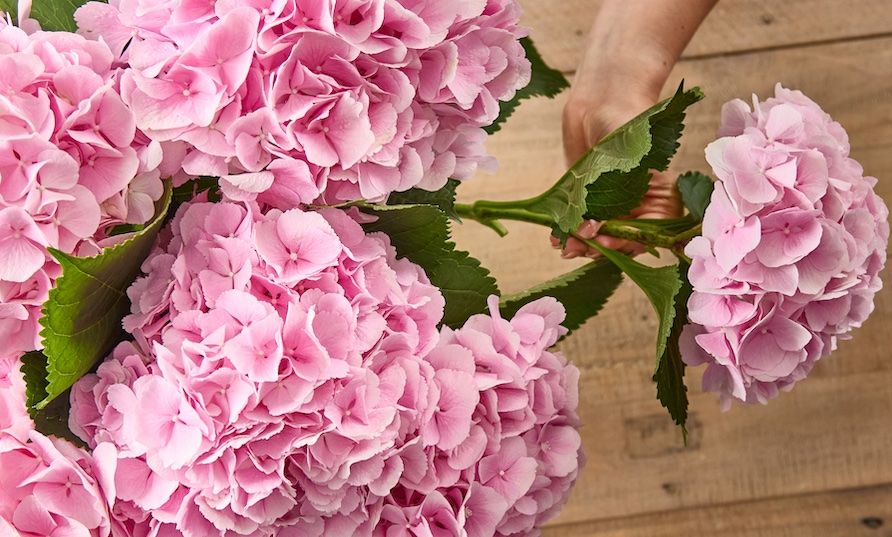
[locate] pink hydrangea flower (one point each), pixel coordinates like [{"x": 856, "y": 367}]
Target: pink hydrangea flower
[
  {"x": 370, "y": 97},
  {"x": 50, "y": 487},
  {"x": 793, "y": 243},
  {"x": 281, "y": 355},
  {"x": 321, "y": 398},
  {"x": 71, "y": 165}
]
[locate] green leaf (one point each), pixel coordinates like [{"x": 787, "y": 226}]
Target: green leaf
[
  {"x": 544, "y": 82},
  {"x": 34, "y": 373},
  {"x": 653, "y": 143},
  {"x": 421, "y": 233},
  {"x": 52, "y": 420},
  {"x": 661, "y": 285},
  {"x": 616, "y": 193},
  {"x": 583, "y": 292},
  {"x": 53, "y": 15},
  {"x": 623, "y": 160},
  {"x": 444, "y": 198},
  {"x": 671, "y": 390},
  {"x": 82, "y": 317},
  {"x": 11, "y": 7},
  {"x": 696, "y": 191}
]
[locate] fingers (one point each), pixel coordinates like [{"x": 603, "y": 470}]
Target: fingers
[
  {"x": 662, "y": 199},
  {"x": 589, "y": 230}
]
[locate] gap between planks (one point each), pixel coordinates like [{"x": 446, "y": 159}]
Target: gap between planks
[
  {"x": 772, "y": 49},
  {"x": 861, "y": 509}
]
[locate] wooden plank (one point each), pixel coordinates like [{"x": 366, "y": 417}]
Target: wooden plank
[
  {"x": 851, "y": 513},
  {"x": 560, "y": 28},
  {"x": 829, "y": 433},
  {"x": 832, "y": 432}
]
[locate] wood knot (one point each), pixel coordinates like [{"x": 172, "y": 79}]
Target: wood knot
[{"x": 872, "y": 522}]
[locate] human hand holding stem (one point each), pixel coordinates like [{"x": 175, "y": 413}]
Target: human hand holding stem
[{"x": 633, "y": 46}]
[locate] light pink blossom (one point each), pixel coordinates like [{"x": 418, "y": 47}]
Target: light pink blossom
[
  {"x": 373, "y": 97},
  {"x": 793, "y": 243},
  {"x": 328, "y": 400}
]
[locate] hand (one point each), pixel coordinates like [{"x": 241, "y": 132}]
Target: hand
[
  {"x": 585, "y": 124},
  {"x": 632, "y": 48}
]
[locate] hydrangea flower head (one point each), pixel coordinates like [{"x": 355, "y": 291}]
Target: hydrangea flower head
[
  {"x": 290, "y": 101},
  {"x": 288, "y": 375},
  {"x": 793, "y": 243}
]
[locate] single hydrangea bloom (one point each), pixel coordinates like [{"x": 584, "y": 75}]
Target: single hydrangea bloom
[
  {"x": 292, "y": 101},
  {"x": 279, "y": 372},
  {"x": 288, "y": 376},
  {"x": 793, "y": 243}
]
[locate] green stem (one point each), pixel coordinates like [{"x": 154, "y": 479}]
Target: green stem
[
  {"x": 689, "y": 234},
  {"x": 616, "y": 228},
  {"x": 491, "y": 213}
]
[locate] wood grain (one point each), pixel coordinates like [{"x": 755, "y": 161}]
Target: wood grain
[
  {"x": 560, "y": 27},
  {"x": 863, "y": 512},
  {"x": 832, "y": 432}
]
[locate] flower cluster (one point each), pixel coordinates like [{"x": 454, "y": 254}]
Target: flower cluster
[
  {"x": 287, "y": 101},
  {"x": 288, "y": 373},
  {"x": 49, "y": 487},
  {"x": 71, "y": 164},
  {"x": 279, "y": 376},
  {"x": 506, "y": 451},
  {"x": 793, "y": 242}
]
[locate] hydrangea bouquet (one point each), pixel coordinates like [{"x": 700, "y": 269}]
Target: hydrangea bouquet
[{"x": 229, "y": 302}]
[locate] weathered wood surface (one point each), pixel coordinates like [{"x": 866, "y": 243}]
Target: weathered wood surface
[
  {"x": 560, "y": 27},
  {"x": 834, "y": 432},
  {"x": 854, "y": 513}
]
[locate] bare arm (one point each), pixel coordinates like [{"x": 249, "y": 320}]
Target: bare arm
[{"x": 633, "y": 46}]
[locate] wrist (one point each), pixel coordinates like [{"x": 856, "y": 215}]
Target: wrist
[{"x": 613, "y": 69}]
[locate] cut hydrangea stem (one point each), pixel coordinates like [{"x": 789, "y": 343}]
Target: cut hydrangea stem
[
  {"x": 488, "y": 212},
  {"x": 491, "y": 213}
]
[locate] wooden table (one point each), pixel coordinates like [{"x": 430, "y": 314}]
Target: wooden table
[{"x": 816, "y": 462}]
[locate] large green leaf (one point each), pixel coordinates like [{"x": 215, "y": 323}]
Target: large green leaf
[
  {"x": 53, "y": 15},
  {"x": 82, "y": 317},
  {"x": 617, "y": 192},
  {"x": 622, "y": 160},
  {"x": 544, "y": 82},
  {"x": 444, "y": 198},
  {"x": 669, "y": 376},
  {"x": 583, "y": 292},
  {"x": 696, "y": 192},
  {"x": 421, "y": 233},
  {"x": 661, "y": 285}
]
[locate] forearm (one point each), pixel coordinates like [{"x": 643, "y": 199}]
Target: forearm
[
  {"x": 637, "y": 42},
  {"x": 633, "y": 47}
]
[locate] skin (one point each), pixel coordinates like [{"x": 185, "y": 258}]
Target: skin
[{"x": 633, "y": 46}]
